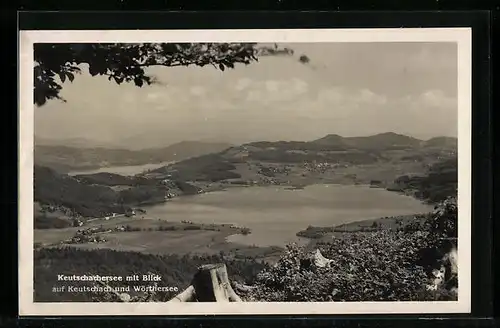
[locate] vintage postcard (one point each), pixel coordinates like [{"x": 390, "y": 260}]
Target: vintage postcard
[{"x": 245, "y": 172}]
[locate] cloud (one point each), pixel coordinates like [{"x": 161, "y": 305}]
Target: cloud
[
  {"x": 198, "y": 91},
  {"x": 367, "y": 96},
  {"x": 360, "y": 89},
  {"x": 300, "y": 86},
  {"x": 272, "y": 86},
  {"x": 151, "y": 96},
  {"x": 268, "y": 91},
  {"x": 292, "y": 109},
  {"x": 437, "y": 99},
  {"x": 242, "y": 84},
  {"x": 333, "y": 95}
]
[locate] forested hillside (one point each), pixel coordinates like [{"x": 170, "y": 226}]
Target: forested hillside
[
  {"x": 90, "y": 200},
  {"x": 440, "y": 182}
]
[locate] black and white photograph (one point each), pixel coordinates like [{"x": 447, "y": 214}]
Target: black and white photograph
[{"x": 256, "y": 172}]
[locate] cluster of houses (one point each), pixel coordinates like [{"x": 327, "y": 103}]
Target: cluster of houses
[
  {"x": 170, "y": 195},
  {"x": 319, "y": 167},
  {"x": 272, "y": 170},
  {"x": 87, "y": 236},
  {"x": 77, "y": 222},
  {"x": 170, "y": 185},
  {"x": 128, "y": 213},
  {"x": 94, "y": 234},
  {"x": 269, "y": 181},
  {"x": 83, "y": 239},
  {"x": 124, "y": 228}
]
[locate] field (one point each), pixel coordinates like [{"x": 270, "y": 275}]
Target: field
[
  {"x": 392, "y": 223},
  {"x": 298, "y": 175},
  {"x": 180, "y": 238}
]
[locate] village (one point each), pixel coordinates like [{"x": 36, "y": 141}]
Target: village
[{"x": 96, "y": 234}]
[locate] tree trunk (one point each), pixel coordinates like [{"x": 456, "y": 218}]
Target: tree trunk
[
  {"x": 187, "y": 295},
  {"x": 211, "y": 284}
]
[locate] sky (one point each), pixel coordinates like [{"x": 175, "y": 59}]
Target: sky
[{"x": 350, "y": 89}]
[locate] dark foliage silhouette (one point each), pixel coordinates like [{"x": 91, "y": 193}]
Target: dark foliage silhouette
[{"x": 122, "y": 62}]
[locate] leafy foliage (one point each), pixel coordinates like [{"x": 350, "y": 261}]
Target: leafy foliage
[
  {"x": 125, "y": 62},
  {"x": 304, "y": 59},
  {"x": 385, "y": 265},
  {"x": 442, "y": 233}
]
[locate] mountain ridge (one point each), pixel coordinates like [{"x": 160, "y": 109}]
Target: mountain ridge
[
  {"x": 67, "y": 158},
  {"x": 332, "y": 147}
]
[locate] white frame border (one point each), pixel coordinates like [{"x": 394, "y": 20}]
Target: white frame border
[{"x": 460, "y": 36}]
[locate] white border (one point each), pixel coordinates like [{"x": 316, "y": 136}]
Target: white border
[{"x": 462, "y": 36}]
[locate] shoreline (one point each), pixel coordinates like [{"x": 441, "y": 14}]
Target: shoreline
[
  {"x": 150, "y": 235},
  {"x": 222, "y": 187},
  {"x": 101, "y": 169},
  {"x": 284, "y": 183},
  {"x": 290, "y": 187},
  {"x": 395, "y": 222}
]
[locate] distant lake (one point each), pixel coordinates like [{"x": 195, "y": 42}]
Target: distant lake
[
  {"x": 128, "y": 170},
  {"x": 275, "y": 214}
]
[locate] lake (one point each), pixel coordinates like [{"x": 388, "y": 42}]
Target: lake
[
  {"x": 129, "y": 170},
  {"x": 275, "y": 214}
]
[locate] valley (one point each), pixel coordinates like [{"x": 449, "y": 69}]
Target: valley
[
  {"x": 243, "y": 204},
  {"x": 425, "y": 170}
]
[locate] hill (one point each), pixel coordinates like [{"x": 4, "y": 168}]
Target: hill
[
  {"x": 356, "y": 158},
  {"x": 68, "y": 158},
  {"x": 211, "y": 167},
  {"x": 59, "y": 195},
  {"x": 82, "y": 196},
  {"x": 186, "y": 149},
  {"x": 349, "y": 150},
  {"x": 59, "y": 190},
  {"x": 72, "y": 142},
  {"x": 440, "y": 182},
  {"x": 424, "y": 169},
  {"x": 441, "y": 142},
  {"x": 331, "y": 139},
  {"x": 382, "y": 141}
]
